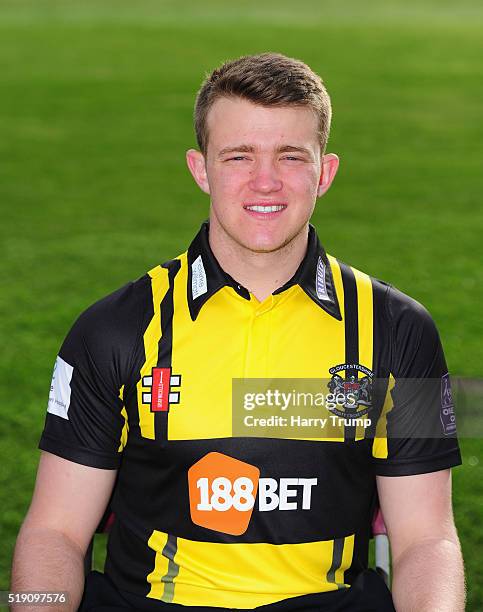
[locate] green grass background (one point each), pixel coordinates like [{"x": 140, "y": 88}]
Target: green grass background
[{"x": 95, "y": 116}]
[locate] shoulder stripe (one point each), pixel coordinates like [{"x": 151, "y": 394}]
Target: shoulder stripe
[
  {"x": 165, "y": 348},
  {"x": 351, "y": 323},
  {"x": 365, "y": 325},
  {"x": 337, "y": 276},
  {"x": 151, "y": 338},
  {"x": 125, "y": 427},
  {"x": 379, "y": 445}
]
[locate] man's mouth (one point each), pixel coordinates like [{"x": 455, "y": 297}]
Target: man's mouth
[{"x": 265, "y": 208}]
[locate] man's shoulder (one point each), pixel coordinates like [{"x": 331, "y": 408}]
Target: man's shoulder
[
  {"x": 349, "y": 272},
  {"x": 119, "y": 304},
  {"x": 131, "y": 305},
  {"x": 136, "y": 295},
  {"x": 394, "y": 305},
  {"x": 125, "y": 312}
]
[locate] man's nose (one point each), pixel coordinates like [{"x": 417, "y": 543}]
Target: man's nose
[{"x": 265, "y": 177}]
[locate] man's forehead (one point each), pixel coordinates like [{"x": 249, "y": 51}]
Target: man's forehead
[{"x": 234, "y": 122}]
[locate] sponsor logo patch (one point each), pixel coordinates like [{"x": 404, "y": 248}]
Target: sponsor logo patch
[
  {"x": 59, "y": 397},
  {"x": 447, "y": 415},
  {"x": 161, "y": 394},
  {"x": 199, "y": 285},
  {"x": 354, "y": 392},
  {"x": 224, "y": 491},
  {"x": 320, "y": 282}
]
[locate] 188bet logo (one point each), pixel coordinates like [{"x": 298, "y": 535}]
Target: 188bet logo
[{"x": 223, "y": 492}]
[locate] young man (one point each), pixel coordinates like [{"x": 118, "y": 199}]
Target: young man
[{"x": 143, "y": 388}]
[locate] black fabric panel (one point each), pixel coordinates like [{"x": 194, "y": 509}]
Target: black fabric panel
[
  {"x": 360, "y": 557},
  {"x": 100, "y": 348},
  {"x": 381, "y": 353},
  {"x": 368, "y": 594},
  {"x": 167, "y": 311},
  {"x": 84, "y": 456},
  {"x": 423, "y": 465},
  {"x": 341, "y": 502},
  {"x": 417, "y": 363}
]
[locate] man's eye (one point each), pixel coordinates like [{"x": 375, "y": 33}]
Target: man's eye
[
  {"x": 237, "y": 158},
  {"x": 292, "y": 158}
]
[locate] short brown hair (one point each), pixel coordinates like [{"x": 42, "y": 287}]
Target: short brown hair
[{"x": 268, "y": 79}]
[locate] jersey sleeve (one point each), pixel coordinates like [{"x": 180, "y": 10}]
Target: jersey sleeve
[
  {"x": 421, "y": 424},
  {"x": 85, "y": 417}
]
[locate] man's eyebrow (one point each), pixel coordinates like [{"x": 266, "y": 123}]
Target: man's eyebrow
[
  {"x": 245, "y": 148},
  {"x": 242, "y": 148},
  {"x": 295, "y": 149}
]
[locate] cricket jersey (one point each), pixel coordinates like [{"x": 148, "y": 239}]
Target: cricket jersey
[{"x": 207, "y": 514}]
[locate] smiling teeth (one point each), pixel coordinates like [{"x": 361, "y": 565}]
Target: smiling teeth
[{"x": 265, "y": 209}]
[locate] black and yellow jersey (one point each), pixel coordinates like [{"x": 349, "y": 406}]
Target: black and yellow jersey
[{"x": 143, "y": 383}]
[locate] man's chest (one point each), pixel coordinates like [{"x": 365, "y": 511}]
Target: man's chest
[
  {"x": 189, "y": 373},
  {"x": 189, "y": 397}
]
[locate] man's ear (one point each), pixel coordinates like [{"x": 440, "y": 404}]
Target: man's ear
[
  {"x": 330, "y": 164},
  {"x": 197, "y": 167}
]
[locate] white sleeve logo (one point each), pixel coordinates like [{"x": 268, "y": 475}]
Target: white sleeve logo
[{"x": 59, "y": 398}]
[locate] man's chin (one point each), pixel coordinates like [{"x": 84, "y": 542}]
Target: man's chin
[{"x": 266, "y": 245}]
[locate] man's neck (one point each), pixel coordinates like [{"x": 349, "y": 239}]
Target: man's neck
[{"x": 260, "y": 273}]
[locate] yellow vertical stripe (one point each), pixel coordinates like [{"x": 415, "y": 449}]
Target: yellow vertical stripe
[
  {"x": 157, "y": 542},
  {"x": 379, "y": 446},
  {"x": 347, "y": 556},
  {"x": 125, "y": 427},
  {"x": 336, "y": 345},
  {"x": 366, "y": 328},
  {"x": 152, "y": 335},
  {"x": 339, "y": 287}
]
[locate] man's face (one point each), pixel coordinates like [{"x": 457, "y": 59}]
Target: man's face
[{"x": 263, "y": 171}]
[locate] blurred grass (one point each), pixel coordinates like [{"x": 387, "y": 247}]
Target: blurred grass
[{"x": 95, "y": 116}]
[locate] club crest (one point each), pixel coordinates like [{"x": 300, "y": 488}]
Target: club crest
[{"x": 354, "y": 390}]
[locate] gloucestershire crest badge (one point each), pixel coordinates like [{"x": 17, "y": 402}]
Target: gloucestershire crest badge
[{"x": 354, "y": 390}]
